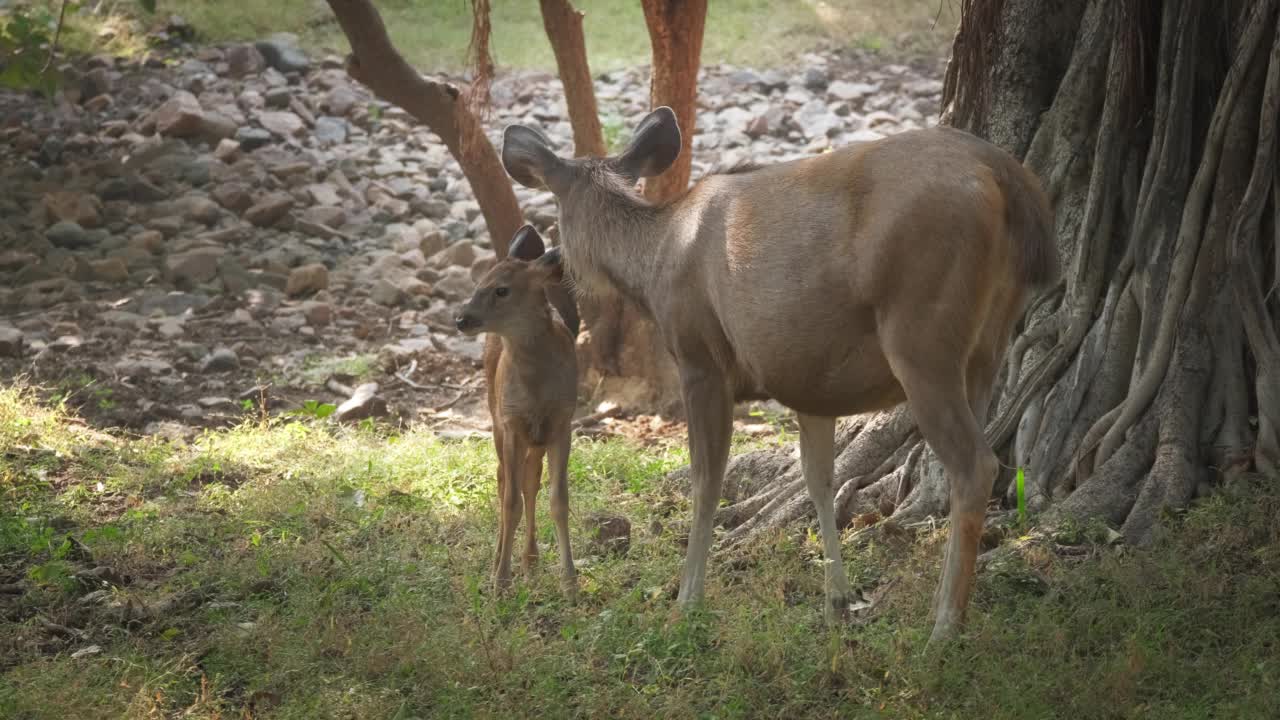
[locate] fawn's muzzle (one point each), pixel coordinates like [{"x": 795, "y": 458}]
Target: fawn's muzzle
[{"x": 466, "y": 323}]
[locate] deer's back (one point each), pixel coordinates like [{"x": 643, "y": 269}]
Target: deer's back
[{"x": 799, "y": 263}]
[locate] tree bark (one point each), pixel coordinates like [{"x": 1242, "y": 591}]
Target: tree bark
[
  {"x": 675, "y": 33},
  {"x": 375, "y": 63},
  {"x": 563, "y": 24},
  {"x": 1135, "y": 386}
]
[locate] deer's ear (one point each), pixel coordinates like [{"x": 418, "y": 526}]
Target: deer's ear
[
  {"x": 528, "y": 158},
  {"x": 557, "y": 292},
  {"x": 526, "y": 244},
  {"x": 552, "y": 261},
  {"x": 654, "y": 146}
]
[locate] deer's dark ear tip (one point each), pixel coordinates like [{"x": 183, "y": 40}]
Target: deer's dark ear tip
[
  {"x": 526, "y": 243},
  {"x": 553, "y": 256}
]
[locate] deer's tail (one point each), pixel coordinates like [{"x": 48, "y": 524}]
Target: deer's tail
[{"x": 1030, "y": 225}]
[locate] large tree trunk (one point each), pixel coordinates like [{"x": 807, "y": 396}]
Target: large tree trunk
[{"x": 1151, "y": 374}]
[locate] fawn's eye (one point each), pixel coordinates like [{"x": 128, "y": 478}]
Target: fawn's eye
[{"x": 502, "y": 291}]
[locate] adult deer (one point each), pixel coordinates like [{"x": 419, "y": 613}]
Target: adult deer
[
  {"x": 531, "y": 375},
  {"x": 839, "y": 284}
]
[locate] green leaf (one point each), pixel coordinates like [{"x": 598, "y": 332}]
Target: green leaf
[
  {"x": 148, "y": 5},
  {"x": 1022, "y": 496}
]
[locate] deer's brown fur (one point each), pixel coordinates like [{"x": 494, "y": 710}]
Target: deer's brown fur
[
  {"x": 531, "y": 377},
  {"x": 848, "y": 282}
]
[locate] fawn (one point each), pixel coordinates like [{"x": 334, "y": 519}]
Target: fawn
[{"x": 531, "y": 375}]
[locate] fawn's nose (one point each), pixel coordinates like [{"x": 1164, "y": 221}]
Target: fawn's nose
[{"x": 464, "y": 322}]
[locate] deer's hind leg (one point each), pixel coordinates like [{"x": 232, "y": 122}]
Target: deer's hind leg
[
  {"x": 817, "y": 460},
  {"x": 530, "y": 483},
  {"x": 558, "y": 479},
  {"x": 936, "y": 389}
]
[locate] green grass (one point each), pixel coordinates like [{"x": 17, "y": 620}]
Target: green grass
[
  {"x": 299, "y": 570},
  {"x": 434, "y": 34},
  {"x": 317, "y": 368}
]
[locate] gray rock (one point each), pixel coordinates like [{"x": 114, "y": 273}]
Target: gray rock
[
  {"x": 816, "y": 78},
  {"x": 233, "y": 196},
  {"x": 169, "y": 226},
  {"x": 317, "y": 313},
  {"x": 200, "y": 209},
  {"x": 281, "y": 52},
  {"x": 609, "y": 534},
  {"x": 734, "y": 118},
  {"x": 215, "y": 402},
  {"x": 816, "y": 120},
  {"x": 282, "y": 123},
  {"x": 306, "y": 279},
  {"x": 340, "y": 101},
  {"x": 170, "y": 303},
  {"x": 455, "y": 284},
  {"x": 843, "y": 90},
  {"x": 11, "y": 342},
  {"x": 109, "y": 270},
  {"x": 924, "y": 87},
  {"x": 330, "y": 130},
  {"x": 222, "y": 359},
  {"x": 138, "y": 366},
  {"x": 69, "y": 235},
  {"x": 277, "y": 98},
  {"x": 251, "y": 138},
  {"x": 182, "y": 116},
  {"x": 364, "y": 403},
  {"x": 460, "y": 253},
  {"x": 484, "y": 263},
  {"x": 135, "y": 189},
  {"x": 193, "y": 267},
  {"x": 326, "y": 215},
  {"x": 244, "y": 60},
  {"x": 95, "y": 83},
  {"x": 270, "y": 209},
  {"x": 385, "y": 292}
]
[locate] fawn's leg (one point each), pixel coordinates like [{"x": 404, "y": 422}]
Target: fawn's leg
[
  {"x": 558, "y": 478},
  {"x": 531, "y": 482},
  {"x": 513, "y": 451}
]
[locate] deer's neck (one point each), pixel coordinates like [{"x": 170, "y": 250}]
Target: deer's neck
[
  {"x": 527, "y": 343},
  {"x": 613, "y": 240}
]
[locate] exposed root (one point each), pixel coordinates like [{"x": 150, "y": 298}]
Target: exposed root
[{"x": 1258, "y": 327}]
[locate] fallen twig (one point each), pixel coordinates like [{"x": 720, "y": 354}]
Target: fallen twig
[
  {"x": 451, "y": 403},
  {"x": 339, "y": 388}
]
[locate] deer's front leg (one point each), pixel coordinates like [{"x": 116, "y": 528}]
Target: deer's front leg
[
  {"x": 709, "y": 406},
  {"x": 513, "y": 455}
]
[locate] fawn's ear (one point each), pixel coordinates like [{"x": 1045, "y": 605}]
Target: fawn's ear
[
  {"x": 557, "y": 290},
  {"x": 529, "y": 160},
  {"x": 653, "y": 147},
  {"x": 526, "y": 244},
  {"x": 552, "y": 263}
]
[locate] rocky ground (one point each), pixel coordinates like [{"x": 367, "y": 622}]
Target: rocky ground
[{"x": 188, "y": 236}]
